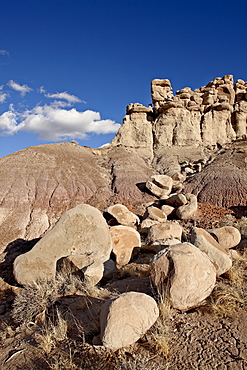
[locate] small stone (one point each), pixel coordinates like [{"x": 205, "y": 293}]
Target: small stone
[
  {"x": 123, "y": 215},
  {"x": 169, "y": 229}
]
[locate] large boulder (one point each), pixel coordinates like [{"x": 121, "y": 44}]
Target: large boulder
[
  {"x": 124, "y": 240},
  {"x": 81, "y": 234},
  {"x": 123, "y": 320},
  {"x": 215, "y": 252},
  {"x": 185, "y": 273}
]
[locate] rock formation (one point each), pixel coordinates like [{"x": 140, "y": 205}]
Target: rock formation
[{"x": 210, "y": 116}]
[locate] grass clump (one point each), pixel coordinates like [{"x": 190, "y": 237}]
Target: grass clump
[{"x": 230, "y": 293}]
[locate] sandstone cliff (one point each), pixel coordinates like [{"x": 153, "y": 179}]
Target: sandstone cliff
[{"x": 208, "y": 117}]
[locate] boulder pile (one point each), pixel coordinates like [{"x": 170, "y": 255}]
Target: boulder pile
[{"x": 184, "y": 272}]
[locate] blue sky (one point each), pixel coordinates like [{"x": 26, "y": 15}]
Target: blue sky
[{"x": 68, "y": 68}]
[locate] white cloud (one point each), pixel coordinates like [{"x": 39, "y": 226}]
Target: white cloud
[
  {"x": 3, "y": 97},
  {"x": 23, "y": 89},
  {"x": 42, "y": 90},
  {"x": 65, "y": 96},
  {"x": 56, "y": 124},
  {"x": 4, "y": 52},
  {"x": 8, "y": 122}
]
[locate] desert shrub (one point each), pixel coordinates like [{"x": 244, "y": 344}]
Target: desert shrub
[{"x": 35, "y": 300}]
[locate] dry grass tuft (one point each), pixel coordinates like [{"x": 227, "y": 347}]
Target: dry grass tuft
[
  {"x": 158, "y": 336},
  {"x": 230, "y": 293}
]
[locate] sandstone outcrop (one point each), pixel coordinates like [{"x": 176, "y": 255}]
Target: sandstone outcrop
[
  {"x": 81, "y": 234},
  {"x": 212, "y": 115},
  {"x": 123, "y": 320}
]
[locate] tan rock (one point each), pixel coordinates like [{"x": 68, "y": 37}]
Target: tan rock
[
  {"x": 123, "y": 320},
  {"x": 167, "y": 209},
  {"x": 146, "y": 224},
  {"x": 81, "y": 233},
  {"x": 187, "y": 210},
  {"x": 227, "y": 236},
  {"x": 123, "y": 215},
  {"x": 169, "y": 229},
  {"x": 159, "y": 270},
  {"x": 160, "y": 185},
  {"x": 156, "y": 214},
  {"x": 215, "y": 252},
  {"x": 176, "y": 200},
  {"x": 161, "y": 244},
  {"x": 124, "y": 240},
  {"x": 193, "y": 277}
]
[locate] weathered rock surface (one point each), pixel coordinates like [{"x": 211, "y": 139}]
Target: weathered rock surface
[
  {"x": 169, "y": 229},
  {"x": 156, "y": 214},
  {"x": 227, "y": 236},
  {"x": 123, "y": 320},
  {"x": 188, "y": 279},
  {"x": 123, "y": 215},
  {"x": 81, "y": 234},
  {"x": 124, "y": 240},
  {"x": 160, "y": 185},
  {"x": 188, "y": 209},
  {"x": 215, "y": 252}
]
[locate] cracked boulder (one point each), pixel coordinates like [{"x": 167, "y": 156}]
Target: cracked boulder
[{"x": 81, "y": 234}]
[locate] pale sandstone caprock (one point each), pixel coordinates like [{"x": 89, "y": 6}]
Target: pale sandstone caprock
[
  {"x": 124, "y": 319},
  {"x": 227, "y": 236},
  {"x": 176, "y": 200},
  {"x": 81, "y": 234},
  {"x": 212, "y": 115},
  {"x": 124, "y": 240},
  {"x": 123, "y": 215},
  {"x": 215, "y": 252}
]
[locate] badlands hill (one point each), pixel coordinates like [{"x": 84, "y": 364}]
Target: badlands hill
[{"x": 200, "y": 133}]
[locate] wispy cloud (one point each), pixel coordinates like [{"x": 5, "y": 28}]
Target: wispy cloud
[
  {"x": 56, "y": 124},
  {"x": 3, "y": 95},
  {"x": 4, "y": 52},
  {"x": 42, "y": 90},
  {"x": 22, "y": 89},
  {"x": 65, "y": 96}
]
